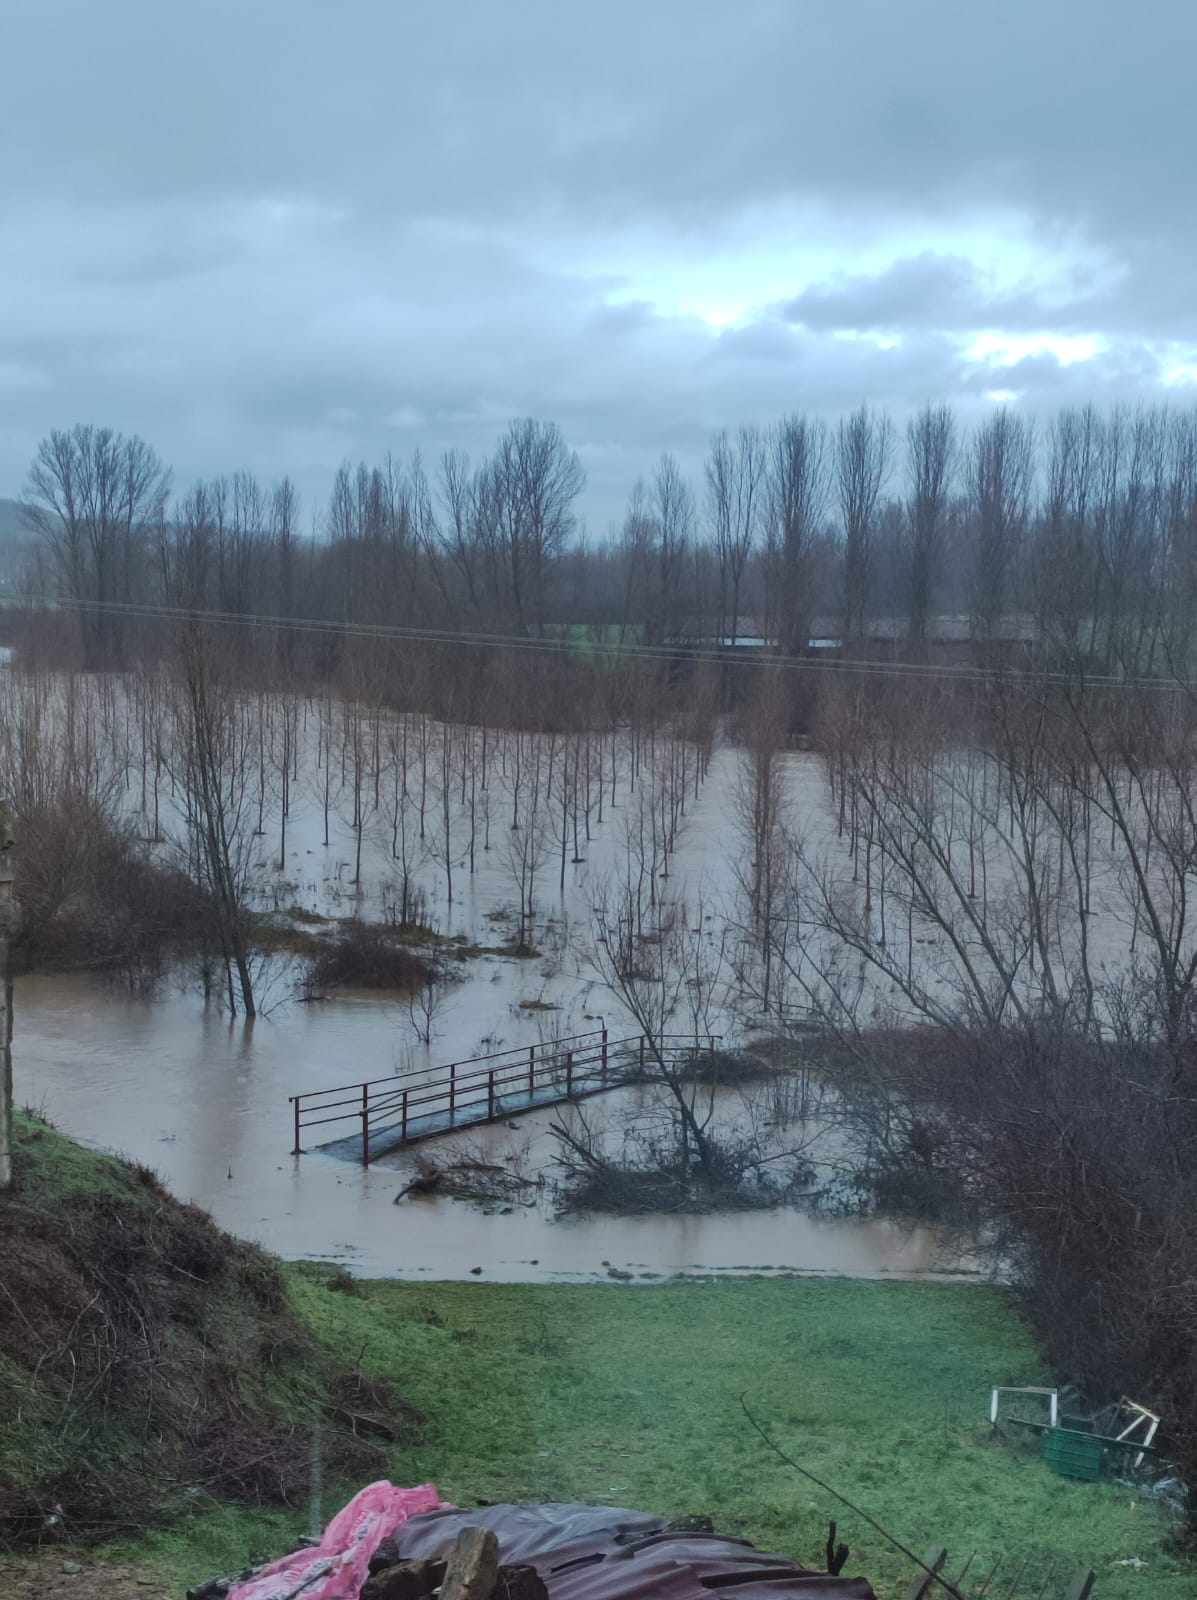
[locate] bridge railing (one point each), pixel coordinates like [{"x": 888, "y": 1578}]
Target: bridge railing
[{"x": 426, "y": 1100}]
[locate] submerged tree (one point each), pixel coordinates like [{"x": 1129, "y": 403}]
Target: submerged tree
[
  {"x": 663, "y": 963},
  {"x": 214, "y": 752}
]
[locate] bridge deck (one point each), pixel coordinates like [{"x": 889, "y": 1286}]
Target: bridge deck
[
  {"x": 379, "y": 1116},
  {"x": 385, "y": 1140}
]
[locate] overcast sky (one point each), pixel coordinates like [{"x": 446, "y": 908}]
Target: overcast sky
[{"x": 273, "y": 234}]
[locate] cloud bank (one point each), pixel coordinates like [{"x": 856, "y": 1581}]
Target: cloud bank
[{"x": 277, "y": 235}]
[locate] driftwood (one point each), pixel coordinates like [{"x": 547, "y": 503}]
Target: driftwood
[
  {"x": 431, "y": 1182},
  {"x": 470, "y": 1179}
]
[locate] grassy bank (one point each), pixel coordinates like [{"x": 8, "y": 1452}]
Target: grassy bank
[
  {"x": 631, "y": 1396},
  {"x": 620, "y": 1394},
  {"x": 152, "y": 1366}
]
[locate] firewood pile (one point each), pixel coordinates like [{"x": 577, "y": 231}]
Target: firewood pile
[
  {"x": 545, "y": 1552},
  {"x": 473, "y": 1571}
]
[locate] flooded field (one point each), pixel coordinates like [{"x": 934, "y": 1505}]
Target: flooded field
[
  {"x": 205, "y": 1103},
  {"x": 204, "y": 1100}
]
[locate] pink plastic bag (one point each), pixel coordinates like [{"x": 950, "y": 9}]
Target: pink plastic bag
[{"x": 340, "y": 1563}]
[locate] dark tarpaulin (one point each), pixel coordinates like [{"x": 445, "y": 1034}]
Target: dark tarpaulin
[{"x": 585, "y": 1552}]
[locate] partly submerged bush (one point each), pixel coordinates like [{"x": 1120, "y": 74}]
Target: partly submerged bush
[
  {"x": 367, "y": 955},
  {"x": 94, "y": 896}
]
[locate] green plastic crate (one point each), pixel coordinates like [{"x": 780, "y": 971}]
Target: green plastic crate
[{"x": 1073, "y": 1454}]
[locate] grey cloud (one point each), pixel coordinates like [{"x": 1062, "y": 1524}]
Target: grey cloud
[
  {"x": 605, "y": 112},
  {"x": 623, "y": 318},
  {"x": 923, "y": 291},
  {"x": 273, "y": 235},
  {"x": 763, "y": 340}
]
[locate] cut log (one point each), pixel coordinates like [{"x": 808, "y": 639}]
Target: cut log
[
  {"x": 473, "y": 1566},
  {"x": 520, "y": 1583},
  {"x": 387, "y": 1555},
  {"x": 407, "y": 1580}
]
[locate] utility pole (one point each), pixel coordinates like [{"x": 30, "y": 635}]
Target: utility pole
[{"x": 8, "y": 924}]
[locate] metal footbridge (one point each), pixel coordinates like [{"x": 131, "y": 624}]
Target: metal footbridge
[{"x": 371, "y": 1119}]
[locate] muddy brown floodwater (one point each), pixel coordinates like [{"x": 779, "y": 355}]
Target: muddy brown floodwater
[{"x": 204, "y": 1101}]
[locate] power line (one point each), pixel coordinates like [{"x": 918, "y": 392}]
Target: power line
[{"x": 713, "y": 655}]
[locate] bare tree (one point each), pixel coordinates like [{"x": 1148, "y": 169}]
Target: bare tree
[
  {"x": 930, "y": 466},
  {"x": 533, "y": 481},
  {"x": 735, "y": 494},
  {"x": 664, "y": 966},
  {"x": 468, "y": 565},
  {"x": 239, "y": 513},
  {"x": 864, "y": 444},
  {"x": 97, "y": 498},
  {"x": 408, "y": 850},
  {"x": 355, "y": 755},
  {"x": 423, "y": 1007},
  {"x": 527, "y": 838},
  {"x": 673, "y": 515},
  {"x": 763, "y": 817},
  {"x": 797, "y": 494},
  {"x": 214, "y": 753},
  {"x": 1000, "y": 476},
  {"x": 637, "y": 539},
  {"x": 444, "y": 847}
]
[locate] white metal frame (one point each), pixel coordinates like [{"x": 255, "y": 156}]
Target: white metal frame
[
  {"x": 1050, "y": 1395},
  {"x": 1138, "y": 1415}
]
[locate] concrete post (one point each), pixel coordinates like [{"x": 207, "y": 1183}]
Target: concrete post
[{"x": 8, "y": 926}]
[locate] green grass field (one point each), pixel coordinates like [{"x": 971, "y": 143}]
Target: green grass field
[{"x": 631, "y": 1395}]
